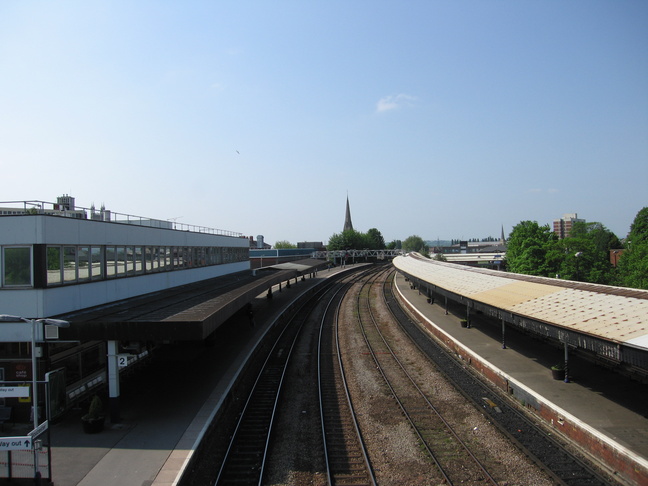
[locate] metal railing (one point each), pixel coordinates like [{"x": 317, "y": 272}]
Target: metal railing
[
  {"x": 18, "y": 208},
  {"x": 357, "y": 253}
]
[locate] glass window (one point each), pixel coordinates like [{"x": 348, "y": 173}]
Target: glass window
[
  {"x": 167, "y": 255},
  {"x": 17, "y": 266},
  {"x": 84, "y": 263},
  {"x": 138, "y": 260},
  {"x": 121, "y": 261},
  {"x": 149, "y": 254},
  {"x": 54, "y": 276},
  {"x": 111, "y": 261},
  {"x": 161, "y": 258},
  {"x": 130, "y": 261},
  {"x": 96, "y": 263},
  {"x": 176, "y": 257},
  {"x": 69, "y": 264}
]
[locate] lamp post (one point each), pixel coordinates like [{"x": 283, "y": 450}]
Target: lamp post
[
  {"x": 578, "y": 255},
  {"x": 34, "y": 322}
]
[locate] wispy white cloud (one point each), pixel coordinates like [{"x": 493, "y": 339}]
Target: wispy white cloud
[{"x": 394, "y": 102}]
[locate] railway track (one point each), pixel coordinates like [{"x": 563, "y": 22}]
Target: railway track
[
  {"x": 554, "y": 457},
  {"x": 334, "y": 451},
  {"x": 244, "y": 462},
  {"x": 455, "y": 461},
  {"x": 246, "y": 458},
  {"x": 345, "y": 453}
]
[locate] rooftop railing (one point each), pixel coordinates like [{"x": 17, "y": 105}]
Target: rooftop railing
[{"x": 17, "y": 208}]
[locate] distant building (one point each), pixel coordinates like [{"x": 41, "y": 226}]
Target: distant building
[
  {"x": 485, "y": 254},
  {"x": 259, "y": 244},
  {"x": 562, "y": 227},
  {"x": 615, "y": 255},
  {"x": 315, "y": 245}
]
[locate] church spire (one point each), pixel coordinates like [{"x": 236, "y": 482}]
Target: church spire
[{"x": 347, "y": 220}]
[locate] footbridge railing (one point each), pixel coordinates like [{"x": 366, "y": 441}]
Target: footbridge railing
[{"x": 357, "y": 254}]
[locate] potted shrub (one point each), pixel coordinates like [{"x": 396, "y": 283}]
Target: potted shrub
[
  {"x": 558, "y": 371},
  {"x": 464, "y": 322},
  {"x": 93, "y": 421}
]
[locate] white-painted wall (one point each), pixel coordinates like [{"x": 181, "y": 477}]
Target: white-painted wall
[
  {"x": 59, "y": 300},
  {"x": 29, "y": 230}
]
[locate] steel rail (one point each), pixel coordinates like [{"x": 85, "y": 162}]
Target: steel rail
[
  {"x": 413, "y": 422},
  {"x": 523, "y": 432},
  {"x": 267, "y": 388},
  {"x": 337, "y": 378}
]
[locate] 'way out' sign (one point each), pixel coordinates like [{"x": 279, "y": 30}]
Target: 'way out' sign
[
  {"x": 15, "y": 443},
  {"x": 14, "y": 391}
]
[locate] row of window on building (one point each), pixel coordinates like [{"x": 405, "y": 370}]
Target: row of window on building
[{"x": 65, "y": 264}]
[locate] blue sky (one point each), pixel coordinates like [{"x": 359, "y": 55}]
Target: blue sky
[{"x": 444, "y": 119}]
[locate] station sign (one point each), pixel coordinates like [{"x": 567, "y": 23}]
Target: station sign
[
  {"x": 16, "y": 443},
  {"x": 122, "y": 360},
  {"x": 14, "y": 391}
]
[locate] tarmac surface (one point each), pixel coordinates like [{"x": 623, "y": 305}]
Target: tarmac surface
[{"x": 166, "y": 406}]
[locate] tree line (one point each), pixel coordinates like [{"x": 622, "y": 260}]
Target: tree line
[{"x": 586, "y": 255}]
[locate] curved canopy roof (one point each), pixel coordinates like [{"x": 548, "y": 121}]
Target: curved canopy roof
[{"x": 611, "y": 313}]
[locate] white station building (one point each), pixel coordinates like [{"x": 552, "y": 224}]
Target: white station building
[{"x": 56, "y": 258}]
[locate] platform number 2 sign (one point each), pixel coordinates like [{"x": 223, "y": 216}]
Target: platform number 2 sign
[{"x": 122, "y": 360}]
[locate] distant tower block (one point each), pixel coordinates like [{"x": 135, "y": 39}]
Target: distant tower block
[
  {"x": 562, "y": 227},
  {"x": 348, "y": 225}
]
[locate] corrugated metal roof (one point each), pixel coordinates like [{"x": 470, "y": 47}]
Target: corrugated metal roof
[{"x": 612, "y": 313}]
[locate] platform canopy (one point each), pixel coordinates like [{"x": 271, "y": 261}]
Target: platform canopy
[
  {"x": 615, "y": 314},
  {"x": 189, "y": 312}
]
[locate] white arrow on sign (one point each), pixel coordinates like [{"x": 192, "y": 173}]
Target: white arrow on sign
[{"x": 15, "y": 443}]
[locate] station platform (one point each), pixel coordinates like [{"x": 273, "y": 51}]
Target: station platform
[
  {"x": 165, "y": 407},
  {"x": 604, "y": 412}
]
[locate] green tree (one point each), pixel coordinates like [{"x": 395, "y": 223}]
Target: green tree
[
  {"x": 415, "y": 243},
  {"x": 347, "y": 240},
  {"x": 355, "y": 240},
  {"x": 531, "y": 250},
  {"x": 639, "y": 227},
  {"x": 284, "y": 245},
  {"x": 376, "y": 240},
  {"x": 395, "y": 245},
  {"x": 586, "y": 253},
  {"x": 633, "y": 264}
]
